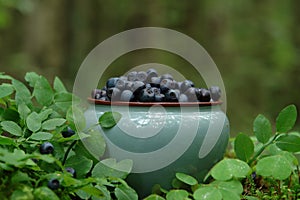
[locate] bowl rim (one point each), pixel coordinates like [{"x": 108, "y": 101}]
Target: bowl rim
[{"x": 148, "y": 104}]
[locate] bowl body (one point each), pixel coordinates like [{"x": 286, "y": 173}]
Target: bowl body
[{"x": 163, "y": 139}]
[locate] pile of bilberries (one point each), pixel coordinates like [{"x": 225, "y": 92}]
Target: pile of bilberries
[{"x": 148, "y": 86}]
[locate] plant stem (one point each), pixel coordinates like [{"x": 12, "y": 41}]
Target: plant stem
[
  {"x": 68, "y": 151},
  {"x": 262, "y": 149}
]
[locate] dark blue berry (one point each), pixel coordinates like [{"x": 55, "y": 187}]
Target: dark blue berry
[
  {"x": 146, "y": 95},
  {"x": 191, "y": 94},
  {"x": 114, "y": 94},
  {"x": 53, "y": 184},
  {"x": 72, "y": 171},
  {"x": 151, "y": 73},
  {"x": 127, "y": 95},
  {"x": 183, "y": 98},
  {"x": 110, "y": 83},
  {"x": 186, "y": 85},
  {"x": 68, "y": 132},
  {"x": 141, "y": 76},
  {"x": 46, "y": 148},
  {"x": 120, "y": 84},
  {"x": 96, "y": 93},
  {"x": 215, "y": 93},
  {"x": 132, "y": 76},
  {"x": 167, "y": 76},
  {"x": 137, "y": 87},
  {"x": 172, "y": 96},
  {"x": 204, "y": 95},
  {"x": 159, "y": 98}
]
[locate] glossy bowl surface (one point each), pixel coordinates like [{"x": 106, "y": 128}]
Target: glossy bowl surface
[{"x": 164, "y": 138}]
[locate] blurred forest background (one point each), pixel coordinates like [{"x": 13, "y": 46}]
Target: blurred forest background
[{"x": 255, "y": 44}]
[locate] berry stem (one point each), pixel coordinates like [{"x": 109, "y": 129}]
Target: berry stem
[
  {"x": 257, "y": 154},
  {"x": 68, "y": 151}
]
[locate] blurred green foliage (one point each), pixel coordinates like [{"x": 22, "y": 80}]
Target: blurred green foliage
[{"x": 255, "y": 44}]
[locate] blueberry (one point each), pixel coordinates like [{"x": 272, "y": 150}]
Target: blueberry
[
  {"x": 46, "y": 148},
  {"x": 191, "y": 94},
  {"x": 155, "y": 90},
  {"x": 127, "y": 95},
  {"x": 183, "y": 98},
  {"x": 186, "y": 85},
  {"x": 172, "y": 96},
  {"x": 141, "y": 76},
  {"x": 68, "y": 132},
  {"x": 71, "y": 171},
  {"x": 204, "y": 95},
  {"x": 124, "y": 78},
  {"x": 114, "y": 94},
  {"x": 104, "y": 99},
  {"x": 120, "y": 84},
  {"x": 137, "y": 86},
  {"x": 53, "y": 184},
  {"x": 151, "y": 73},
  {"x": 155, "y": 82},
  {"x": 128, "y": 85},
  {"x": 159, "y": 98},
  {"x": 96, "y": 93},
  {"x": 165, "y": 85},
  {"x": 167, "y": 76},
  {"x": 146, "y": 95},
  {"x": 132, "y": 76},
  {"x": 215, "y": 93},
  {"x": 111, "y": 82}
]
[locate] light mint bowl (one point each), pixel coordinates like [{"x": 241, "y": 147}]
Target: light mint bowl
[{"x": 164, "y": 138}]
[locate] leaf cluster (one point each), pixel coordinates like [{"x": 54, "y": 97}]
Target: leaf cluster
[
  {"x": 35, "y": 112},
  {"x": 263, "y": 166}
]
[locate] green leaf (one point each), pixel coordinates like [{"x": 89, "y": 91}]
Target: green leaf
[
  {"x": 44, "y": 114},
  {"x": 207, "y": 193},
  {"x": 286, "y": 119},
  {"x": 243, "y": 147},
  {"x": 262, "y": 129},
  {"x": 51, "y": 124},
  {"x": 41, "y": 136},
  {"x": 276, "y": 166},
  {"x": 233, "y": 186},
  {"x": 110, "y": 168},
  {"x": 6, "y": 89},
  {"x": 19, "y": 176},
  {"x": 23, "y": 94},
  {"x": 109, "y": 119},
  {"x": 5, "y": 77},
  {"x": 21, "y": 195},
  {"x": 12, "y": 127},
  {"x": 177, "y": 194},
  {"x": 31, "y": 78},
  {"x": 95, "y": 143},
  {"x": 33, "y": 122},
  {"x": 44, "y": 193},
  {"x": 43, "y": 92},
  {"x": 227, "y": 169},
  {"x": 23, "y": 110},
  {"x": 6, "y": 141},
  {"x": 226, "y": 190},
  {"x": 125, "y": 193},
  {"x": 154, "y": 197},
  {"x": 76, "y": 119},
  {"x": 87, "y": 191},
  {"x": 187, "y": 179},
  {"x": 289, "y": 143},
  {"x": 81, "y": 164},
  {"x": 58, "y": 85},
  {"x": 10, "y": 115}
]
